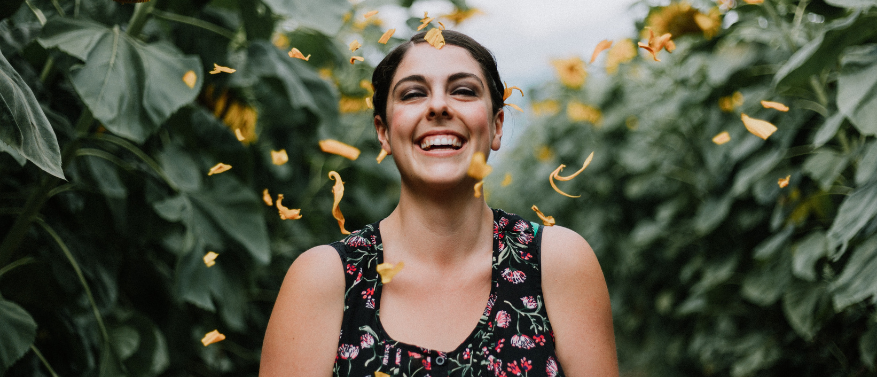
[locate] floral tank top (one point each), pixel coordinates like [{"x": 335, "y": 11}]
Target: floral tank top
[{"x": 512, "y": 338}]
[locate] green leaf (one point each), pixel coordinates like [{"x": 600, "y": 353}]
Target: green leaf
[
  {"x": 828, "y": 130},
  {"x": 23, "y": 125},
  {"x": 824, "y": 167},
  {"x": 21, "y": 160},
  {"x": 857, "y": 88},
  {"x": 806, "y": 253},
  {"x": 804, "y": 306},
  {"x": 766, "y": 284},
  {"x": 824, "y": 50},
  {"x": 769, "y": 247},
  {"x": 125, "y": 341},
  {"x": 867, "y": 165},
  {"x": 180, "y": 167},
  {"x": 856, "y": 282},
  {"x": 755, "y": 168},
  {"x": 712, "y": 213},
  {"x": 853, "y": 214},
  {"x": 131, "y": 87},
  {"x": 853, "y": 3},
  {"x": 868, "y": 347},
  {"x": 19, "y": 332},
  {"x": 326, "y": 18},
  {"x": 8, "y": 8}
]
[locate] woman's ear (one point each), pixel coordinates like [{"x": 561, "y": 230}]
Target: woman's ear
[
  {"x": 383, "y": 132},
  {"x": 497, "y": 135}
]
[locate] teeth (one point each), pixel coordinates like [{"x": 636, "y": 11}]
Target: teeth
[{"x": 449, "y": 141}]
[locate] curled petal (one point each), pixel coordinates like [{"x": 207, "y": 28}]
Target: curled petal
[
  {"x": 210, "y": 258},
  {"x": 212, "y": 337},
  {"x": 382, "y": 155},
  {"x": 190, "y": 78},
  {"x": 514, "y": 106},
  {"x": 435, "y": 38},
  {"x": 355, "y": 45},
  {"x": 239, "y": 135},
  {"x": 295, "y": 53},
  {"x": 387, "y": 271},
  {"x": 266, "y": 197},
  {"x": 655, "y": 45},
  {"x": 783, "y": 182},
  {"x": 722, "y": 138},
  {"x": 774, "y": 105},
  {"x": 279, "y": 157},
  {"x": 356, "y": 58},
  {"x": 441, "y": 25},
  {"x": 554, "y": 186},
  {"x": 219, "y": 168},
  {"x": 507, "y": 92},
  {"x": 602, "y": 46},
  {"x": 424, "y": 21},
  {"x": 478, "y": 167},
  {"x": 478, "y": 187},
  {"x": 386, "y": 37},
  {"x": 546, "y": 220},
  {"x": 286, "y": 213},
  {"x": 368, "y": 103},
  {"x": 218, "y": 68},
  {"x": 369, "y": 14},
  {"x": 758, "y": 127},
  {"x": 338, "y": 192},
  {"x": 573, "y": 175},
  {"x": 339, "y": 148}
]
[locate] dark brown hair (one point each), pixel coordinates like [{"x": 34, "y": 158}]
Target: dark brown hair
[{"x": 386, "y": 69}]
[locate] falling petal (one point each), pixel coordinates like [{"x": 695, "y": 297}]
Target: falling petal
[
  {"x": 573, "y": 175},
  {"x": 355, "y": 45},
  {"x": 369, "y": 14},
  {"x": 753, "y": 1},
  {"x": 368, "y": 103},
  {"x": 387, "y": 271},
  {"x": 546, "y": 220},
  {"x": 783, "y": 182},
  {"x": 655, "y": 45},
  {"x": 386, "y": 37},
  {"x": 279, "y": 157},
  {"x": 338, "y": 192},
  {"x": 514, "y": 106},
  {"x": 381, "y": 155},
  {"x": 219, "y": 168},
  {"x": 424, "y": 21},
  {"x": 478, "y": 187},
  {"x": 295, "y": 53},
  {"x": 441, "y": 25},
  {"x": 381, "y": 374},
  {"x": 722, "y": 138},
  {"x": 478, "y": 167},
  {"x": 356, "y": 58},
  {"x": 507, "y": 92},
  {"x": 190, "y": 78},
  {"x": 758, "y": 127},
  {"x": 212, "y": 337},
  {"x": 506, "y": 180},
  {"x": 286, "y": 213},
  {"x": 218, "y": 68},
  {"x": 266, "y": 197},
  {"x": 460, "y": 15},
  {"x": 774, "y": 105},
  {"x": 339, "y": 148},
  {"x": 603, "y": 45},
  {"x": 554, "y": 174},
  {"x": 239, "y": 135},
  {"x": 435, "y": 38},
  {"x": 210, "y": 258}
]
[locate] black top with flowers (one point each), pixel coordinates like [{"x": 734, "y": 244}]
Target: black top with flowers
[{"x": 512, "y": 338}]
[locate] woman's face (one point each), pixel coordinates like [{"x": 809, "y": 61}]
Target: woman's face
[{"x": 439, "y": 113}]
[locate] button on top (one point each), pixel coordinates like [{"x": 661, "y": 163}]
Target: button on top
[{"x": 440, "y": 360}]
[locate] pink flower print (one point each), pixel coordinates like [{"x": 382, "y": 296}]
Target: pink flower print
[
  {"x": 368, "y": 293},
  {"x": 348, "y": 351},
  {"x": 522, "y": 341},
  {"x": 513, "y": 368},
  {"x": 370, "y": 303},
  {"x": 351, "y": 269},
  {"x": 551, "y": 367},
  {"x": 525, "y": 255},
  {"x": 366, "y": 341},
  {"x": 526, "y": 365},
  {"x": 503, "y": 222},
  {"x": 501, "y": 246},
  {"x": 521, "y": 226},
  {"x": 499, "y": 345},
  {"x": 490, "y": 301},
  {"x": 398, "y": 356},
  {"x": 503, "y": 319},
  {"x": 386, "y": 355},
  {"x": 529, "y": 302},
  {"x": 358, "y": 278},
  {"x": 467, "y": 354},
  {"x": 514, "y": 276},
  {"x": 539, "y": 339},
  {"x": 427, "y": 363},
  {"x": 414, "y": 355},
  {"x": 374, "y": 239},
  {"x": 497, "y": 231},
  {"x": 525, "y": 237},
  {"x": 356, "y": 241}
]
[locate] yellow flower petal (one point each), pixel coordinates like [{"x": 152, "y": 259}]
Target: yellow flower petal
[
  {"x": 506, "y": 180},
  {"x": 356, "y": 58},
  {"x": 386, "y": 37},
  {"x": 556, "y": 175},
  {"x": 279, "y": 157},
  {"x": 212, "y": 337},
  {"x": 478, "y": 167},
  {"x": 435, "y": 38},
  {"x": 424, "y": 21},
  {"x": 603, "y": 45},
  {"x": 382, "y": 155},
  {"x": 722, "y": 138},
  {"x": 656, "y": 44},
  {"x": 210, "y": 258},
  {"x": 339, "y": 148},
  {"x": 190, "y": 78},
  {"x": 459, "y": 15},
  {"x": 774, "y": 105},
  {"x": 286, "y": 213},
  {"x": 295, "y": 53},
  {"x": 478, "y": 187},
  {"x": 239, "y": 135},
  {"x": 218, "y": 68},
  {"x": 368, "y": 103},
  {"x": 355, "y": 45},
  {"x": 514, "y": 106},
  {"x": 753, "y": 1},
  {"x": 571, "y": 72},
  {"x": 388, "y": 271},
  {"x": 573, "y": 175},
  {"x": 381, "y": 374},
  {"x": 219, "y": 168},
  {"x": 546, "y": 220},
  {"x": 369, "y": 14},
  {"x": 338, "y": 192},
  {"x": 758, "y": 127},
  {"x": 783, "y": 182},
  {"x": 266, "y": 197},
  {"x": 507, "y": 91}
]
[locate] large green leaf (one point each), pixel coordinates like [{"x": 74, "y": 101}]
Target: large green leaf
[
  {"x": 853, "y": 214},
  {"x": 805, "y": 306},
  {"x": 806, "y": 253},
  {"x": 131, "y": 87},
  {"x": 19, "y": 332},
  {"x": 824, "y": 50},
  {"x": 23, "y": 125},
  {"x": 825, "y": 166},
  {"x": 867, "y": 167},
  {"x": 857, "y": 282},
  {"x": 853, "y": 3},
  {"x": 857, "y": 88},
  {"x": 327, "y": 17}
]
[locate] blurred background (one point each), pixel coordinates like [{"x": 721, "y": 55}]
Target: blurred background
[{"x": 725, "y": 254}]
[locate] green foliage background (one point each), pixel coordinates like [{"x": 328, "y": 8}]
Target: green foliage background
[{"x": 712, "y": 268}]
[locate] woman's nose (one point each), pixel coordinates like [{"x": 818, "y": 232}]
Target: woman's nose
[{"x": 438, "y": 107}]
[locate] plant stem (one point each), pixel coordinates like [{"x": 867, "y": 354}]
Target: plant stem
[
  {"x": 43, "y": 359},
  {"x": 139, "y": 18},
  {"x": 194, "y": 22}
]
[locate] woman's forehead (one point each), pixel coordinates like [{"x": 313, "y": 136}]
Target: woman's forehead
[{"x": 431, "y": 63}]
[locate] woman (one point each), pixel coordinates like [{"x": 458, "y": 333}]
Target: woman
[{"x": 482, "y": 292}]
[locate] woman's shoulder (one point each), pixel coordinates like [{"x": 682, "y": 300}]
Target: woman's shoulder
[{"x": 563, "y": 248}]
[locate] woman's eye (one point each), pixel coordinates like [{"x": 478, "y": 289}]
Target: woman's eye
[
  {"x": 465, "y": 91},
  {"x": 412, "y": 94}
]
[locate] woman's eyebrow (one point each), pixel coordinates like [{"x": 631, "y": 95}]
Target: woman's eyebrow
[
  {"x": 465, "y": 75},
  {"x": 416, "y": 78}
]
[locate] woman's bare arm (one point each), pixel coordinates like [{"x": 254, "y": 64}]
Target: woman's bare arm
[
  {"x": 577, "y": 302},
  {"x": 302, "y": 334}
]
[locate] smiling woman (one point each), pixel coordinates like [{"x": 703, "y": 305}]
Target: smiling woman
[{"x": 482, "y": 292}]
